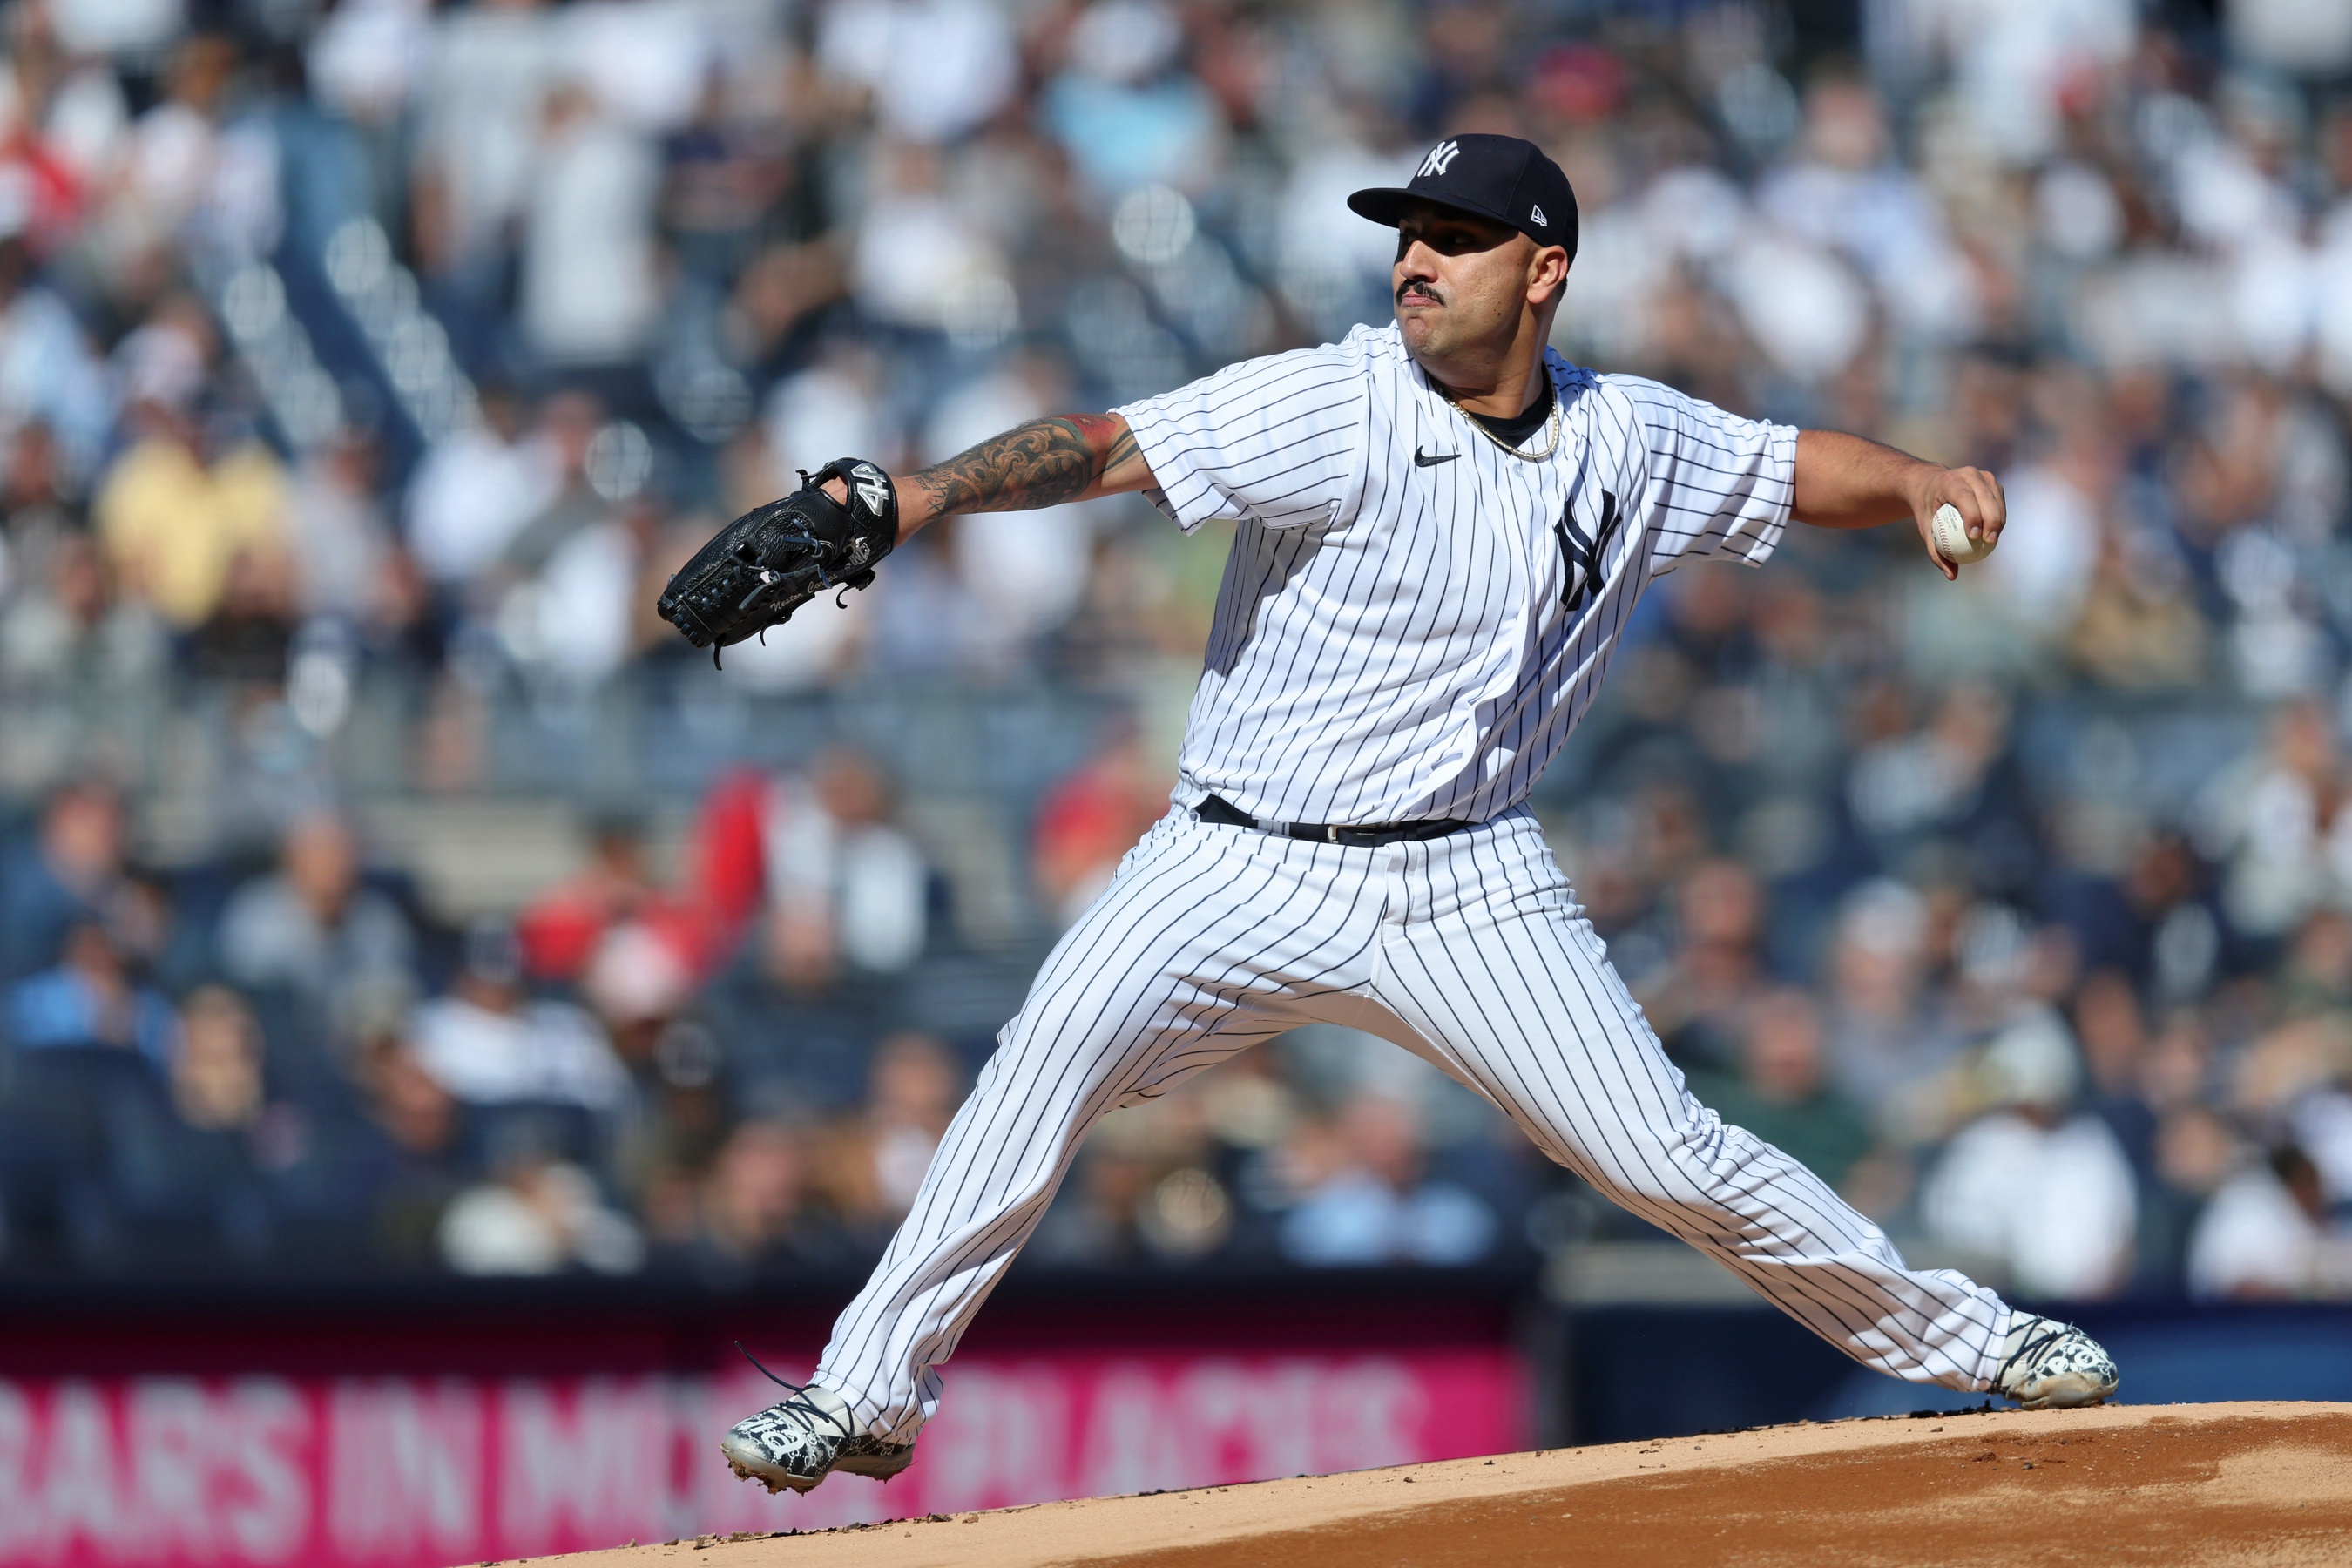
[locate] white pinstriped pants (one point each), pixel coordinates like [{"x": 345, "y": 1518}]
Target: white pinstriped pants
[{"x": 1469, "y": 950}]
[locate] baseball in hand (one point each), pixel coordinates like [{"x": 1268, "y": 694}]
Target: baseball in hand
[{"x": 1952, "y": 540}]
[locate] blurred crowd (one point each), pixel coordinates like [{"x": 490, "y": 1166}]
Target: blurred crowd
[
  {"x": 294, "y": 1067},
  {"x": 382, "y": 347}
]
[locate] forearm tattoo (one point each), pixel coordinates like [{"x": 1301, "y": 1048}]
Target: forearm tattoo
[
  {"x": 1123, "y": 449},
  {"x": 1042, "y": 463}
]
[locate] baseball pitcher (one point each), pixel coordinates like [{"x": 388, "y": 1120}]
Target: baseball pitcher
[{"x": 1441, "y": 530}]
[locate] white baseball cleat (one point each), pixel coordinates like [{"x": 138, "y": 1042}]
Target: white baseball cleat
[
  {"x": 807, "y": 1437},
  {"x": 2046, "y": 1365}
]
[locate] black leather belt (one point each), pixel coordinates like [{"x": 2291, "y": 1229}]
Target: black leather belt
[{"x": 1217, "y": 809}]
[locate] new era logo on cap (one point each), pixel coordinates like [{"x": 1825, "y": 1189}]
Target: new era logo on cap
[{"x": 1499, "y": 177}]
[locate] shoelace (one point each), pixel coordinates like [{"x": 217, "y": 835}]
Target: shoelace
[
  {"x": 799, "y": 1405},
  {"x": 2028, "y": 1353}
]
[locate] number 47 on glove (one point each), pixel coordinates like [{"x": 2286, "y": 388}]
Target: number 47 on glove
[{"x": 775, "y": 558}]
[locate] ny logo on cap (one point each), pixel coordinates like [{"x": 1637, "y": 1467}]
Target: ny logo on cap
[{"x": 1439, "y": 157}]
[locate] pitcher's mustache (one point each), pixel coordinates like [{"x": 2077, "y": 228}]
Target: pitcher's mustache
[{"x": 1415, "y": 285}]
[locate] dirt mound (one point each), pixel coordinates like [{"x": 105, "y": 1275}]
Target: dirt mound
[{"x": 2180, "y": 1484}]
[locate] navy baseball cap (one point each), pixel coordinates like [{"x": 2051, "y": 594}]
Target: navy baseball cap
[{"x": 1498, "y": 177}]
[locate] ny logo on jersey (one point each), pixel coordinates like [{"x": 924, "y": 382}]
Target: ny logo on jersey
[
  {"x": 1441, "y": 158},
  {"x": 1579, "y": 558}
]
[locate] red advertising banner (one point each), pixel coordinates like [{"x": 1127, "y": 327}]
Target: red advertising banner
[{"x": 388, "y": 1471}]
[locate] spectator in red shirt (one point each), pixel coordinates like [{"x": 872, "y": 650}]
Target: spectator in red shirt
[{"x": 1092, "y": 817}]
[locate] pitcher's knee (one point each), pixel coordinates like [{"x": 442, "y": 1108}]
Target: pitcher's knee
[{"x": 1691, "y": 1163}]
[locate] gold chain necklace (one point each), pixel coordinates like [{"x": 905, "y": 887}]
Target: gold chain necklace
[{"x": 1478, "y": 425}]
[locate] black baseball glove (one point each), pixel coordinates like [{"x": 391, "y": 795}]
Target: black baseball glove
[{"x": 773, "y": 559}]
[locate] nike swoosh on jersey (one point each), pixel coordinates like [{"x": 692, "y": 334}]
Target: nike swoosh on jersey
[{"x": 1422, "y": 459}]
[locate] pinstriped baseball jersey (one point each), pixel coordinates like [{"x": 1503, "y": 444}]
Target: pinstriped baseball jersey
[{"x": 1413, "y": 618}]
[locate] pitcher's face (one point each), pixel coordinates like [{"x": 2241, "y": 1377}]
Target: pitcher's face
[{"x": 1463, "y": 282}]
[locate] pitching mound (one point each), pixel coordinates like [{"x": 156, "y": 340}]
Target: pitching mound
[{"x": 2180, "y": 1484}]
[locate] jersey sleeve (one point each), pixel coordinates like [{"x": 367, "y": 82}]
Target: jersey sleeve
[
  {"x": 1279, "y": 441},
  {"x": 1717, "y": 485}
]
